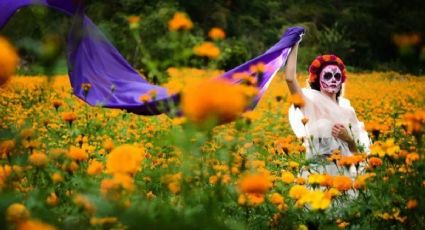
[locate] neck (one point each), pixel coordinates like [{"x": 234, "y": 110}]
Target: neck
[{"x": 330, "y": 95}]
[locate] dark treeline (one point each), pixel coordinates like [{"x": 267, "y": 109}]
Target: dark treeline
[{"x": 367, "y": 35}]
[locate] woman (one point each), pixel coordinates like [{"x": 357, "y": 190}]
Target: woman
[{"x": 325, "y": 120}]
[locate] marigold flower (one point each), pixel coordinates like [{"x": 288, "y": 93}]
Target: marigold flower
[
  {"x": 95, "y": 168},
  {"x": 207, "y": 49},
  {"x": 297, "y": 191},
  {"x": 77, "y": 154},
  {"x": 52, "y": 199},
  {"x": 411, "y": 157},
  {"x": 69, "y": 117},
  {"x": 124, "y": 159},
  {"x": 288, "y": 177},
  {"x": 215, "y": 99},
  {"x": 133, "y": 22},
  {"x": 216, "y": 33},
  {"x": 342, "y": 183},
  {"x": 145, "y": 98},
  {"x": 411, "y": 204},
  {"x": 259, "y": 67},
  {"x": 56, "y": 177},
  {"x": 35, "y": 225},
  {"x": 255, "y": 183},
  {"x": 8, "y": 61},
  {"x": 85, "y": 203},
  {"x": 375, "y": 162},
  {"x": 17, "y": 212},
  {"x": 38, "y": 159},
  {"x": 103, "y": 221},
  {"x": 6, "y": 147},
  {"x": 297, "y": 100},
  {"x": 180, "y": 21},
  {"x": 276, "y": 199}
]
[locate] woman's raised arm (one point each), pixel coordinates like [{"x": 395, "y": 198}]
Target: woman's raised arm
[{"x": 291, "y": 71}]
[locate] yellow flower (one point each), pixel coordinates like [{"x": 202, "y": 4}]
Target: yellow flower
[
  {"x": 8, "y": 61},
  {"x": 180, "y": 21},
  {"x": 57, "y": 177},
  {"x": 103, "y": 221},
  {"x": 216, "y": 33},
  {"x": 124, "y": 159},
  {"x": 297, "y": 191},
  {"x": 17, "y": 212},
  {"x": 207, "y": 49},
  {"x": 288, "y": 177},
  {"x": 83, "y": 202}
]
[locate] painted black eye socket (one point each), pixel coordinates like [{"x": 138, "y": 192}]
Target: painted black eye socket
[
  {"x": 327, "y": 76},
  {"x": 337, "y": 76}
]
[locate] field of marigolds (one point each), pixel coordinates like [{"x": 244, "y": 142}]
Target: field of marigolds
[{"x": 67, "y": 165}]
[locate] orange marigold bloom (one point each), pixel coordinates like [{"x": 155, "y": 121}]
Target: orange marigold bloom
[
  {"x": 375, "y": 162},
  {"x": 207, "y": 49},
  {"x": 411, "y": 204},
  {"x": 6, "y": 147},
  {"x": 133, "y": 22},
  {"x": 297, "y": 100},
  {"x": 77, "y": 154},
  {"x": 35, "y": 225},
  {"x": 69, "y": 116},
  {"x": 17, "y": 212},
  {"x": 255, "y": 183},
  {"x": 57, "y": 177},
  {"x": 180, "y": 21},
  {"x": 342, "y": 183},
  {"x": 124, "y": 159},
  {"x": 95, "y": 168},
  {"x": 8, "y": 61},
  {"x": 216, "y": 33},
  {"x": 258, "y": 68},
  {"x": 38, "y": 159},
  {"x": 52, "y": 199},
  {"x": 411, "y": 157},
  {"x": 277, "y": 199},
  {"x": 215, "y": 99}
]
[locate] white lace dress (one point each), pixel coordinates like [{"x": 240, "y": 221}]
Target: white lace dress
[{"x": 323, "y": 113}]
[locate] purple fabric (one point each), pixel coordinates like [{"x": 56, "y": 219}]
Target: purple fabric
[{"x": 93, "y": 59}]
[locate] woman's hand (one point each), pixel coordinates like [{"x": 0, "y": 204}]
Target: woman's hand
[{"x": 339, "y": 131}]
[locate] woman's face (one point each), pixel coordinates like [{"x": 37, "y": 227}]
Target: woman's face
[{"x": 331, "y": 79}]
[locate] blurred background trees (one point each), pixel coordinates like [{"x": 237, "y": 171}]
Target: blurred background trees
[{"x": 367, "y": 35}]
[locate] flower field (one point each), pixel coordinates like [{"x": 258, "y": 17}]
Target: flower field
[{"x": 67, "y": 165}]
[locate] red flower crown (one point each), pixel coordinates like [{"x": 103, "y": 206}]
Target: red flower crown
[{"x": 321, "y": 61}]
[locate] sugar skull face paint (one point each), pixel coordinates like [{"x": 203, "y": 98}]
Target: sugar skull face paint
[{"x": 331, "y": 79}]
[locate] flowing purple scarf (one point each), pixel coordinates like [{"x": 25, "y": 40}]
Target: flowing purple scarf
[{"x": 114, "y": 83}]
